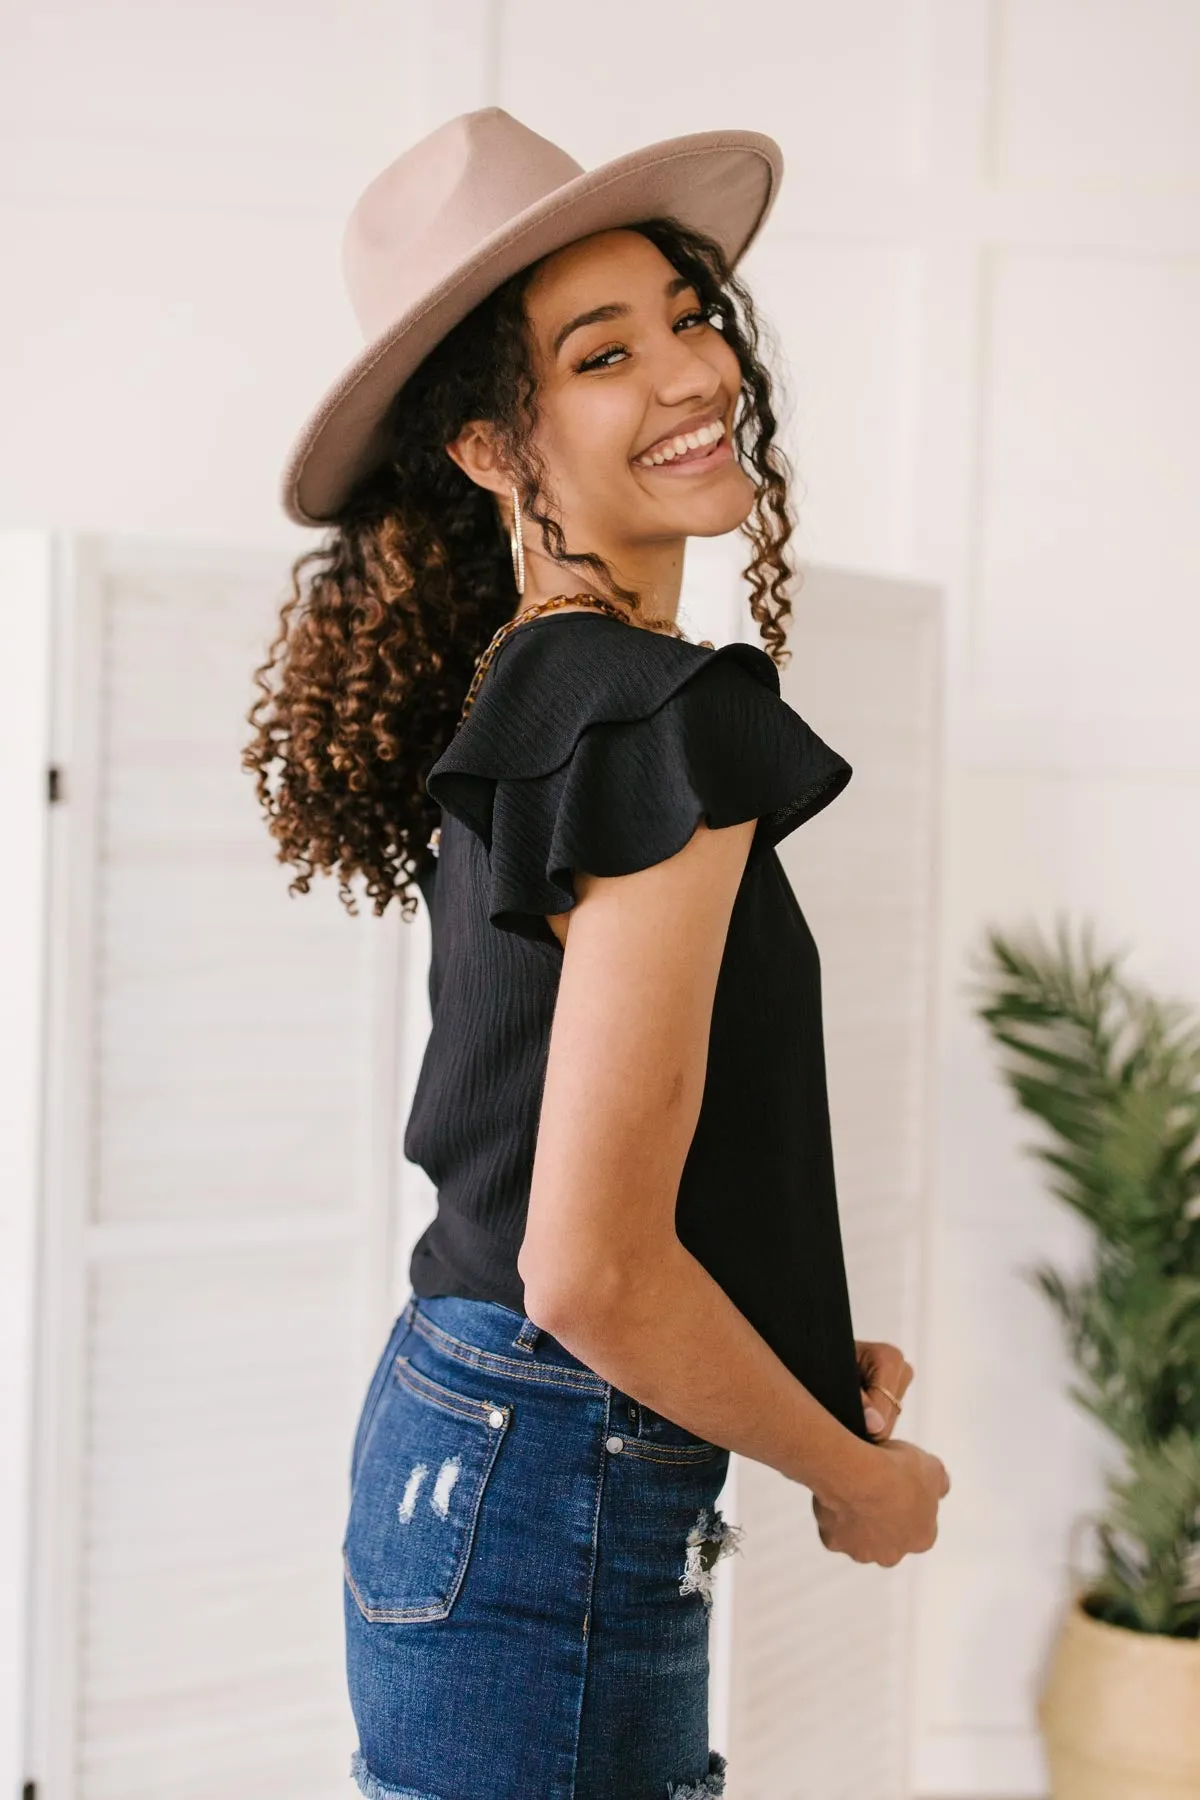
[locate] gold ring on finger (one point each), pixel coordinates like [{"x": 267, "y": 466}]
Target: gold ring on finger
[{"x": 896, "y": 1403}]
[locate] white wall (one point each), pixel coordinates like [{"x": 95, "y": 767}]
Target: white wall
[{"x": 984, "y": 269}]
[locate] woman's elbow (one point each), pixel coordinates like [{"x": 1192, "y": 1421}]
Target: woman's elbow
[{"x": 567, "y": 1297}]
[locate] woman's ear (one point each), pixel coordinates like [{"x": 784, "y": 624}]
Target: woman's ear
[{"x": 476, "y": 452}]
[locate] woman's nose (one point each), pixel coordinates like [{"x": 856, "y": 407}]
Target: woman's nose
[{"x": 687, "y": 375}]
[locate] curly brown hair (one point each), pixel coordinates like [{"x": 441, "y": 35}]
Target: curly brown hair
[{"x": 362, "y": 686}]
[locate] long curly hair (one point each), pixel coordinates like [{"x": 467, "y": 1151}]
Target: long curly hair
[{"x": 362, "y": 686}]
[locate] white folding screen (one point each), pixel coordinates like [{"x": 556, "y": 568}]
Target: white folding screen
[
  {"x": 818, "y": 1650},
  {"x": 219, "y": 1200},
  {"x": 25, "y": 607}
]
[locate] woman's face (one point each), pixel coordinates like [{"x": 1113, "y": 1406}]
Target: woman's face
[{"x": 628, "y": 368}]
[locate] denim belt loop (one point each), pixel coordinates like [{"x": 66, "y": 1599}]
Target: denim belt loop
[{"x": 527, "y": 1337}]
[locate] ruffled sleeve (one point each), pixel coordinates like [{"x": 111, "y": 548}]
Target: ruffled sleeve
[{"x": 598, "y": 746}]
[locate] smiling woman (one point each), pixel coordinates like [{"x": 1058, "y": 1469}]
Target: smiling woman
[
  {"x": 635, "y": 1266},
  {"x": 496, "y": 419},
  {"x": 618, "y": 410}
]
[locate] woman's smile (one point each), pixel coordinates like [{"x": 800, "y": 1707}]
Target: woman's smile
[{"x": 690, "y": 452}]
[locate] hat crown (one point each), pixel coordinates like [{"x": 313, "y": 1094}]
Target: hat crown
[{"x": 435, "y": 205}]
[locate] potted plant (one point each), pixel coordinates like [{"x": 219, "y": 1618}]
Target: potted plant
[{"x": 1113, "y": 1075}]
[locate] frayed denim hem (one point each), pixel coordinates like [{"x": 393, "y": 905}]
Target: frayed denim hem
[
  {"x": 710, "y": 1788},
  {"x": 712, "y": 1785},
  {"x": 374, "y": 1789}
]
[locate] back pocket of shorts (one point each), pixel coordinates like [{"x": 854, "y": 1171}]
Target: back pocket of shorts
[{"x": 416, "y": 1496}]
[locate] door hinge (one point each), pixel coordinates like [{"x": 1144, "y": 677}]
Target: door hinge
[{"x": 54, "y": 793}]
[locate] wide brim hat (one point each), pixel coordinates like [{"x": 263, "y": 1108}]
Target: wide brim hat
[{"x": 476, "y": 201}]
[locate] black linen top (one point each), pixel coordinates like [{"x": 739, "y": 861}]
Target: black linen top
[{"x": 598, "y": 746}]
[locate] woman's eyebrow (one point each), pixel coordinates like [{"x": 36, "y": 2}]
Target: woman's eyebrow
[{"x": 614, "y": 310}]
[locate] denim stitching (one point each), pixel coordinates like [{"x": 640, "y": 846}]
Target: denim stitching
[
  {"x": 464, "y": 1405},
  {"x": 650, "y": 1452},
  {"x": 506, "y": 1365},
  {"x": 393, "y": 1615},
  {"x": 597, "y": 1508}
]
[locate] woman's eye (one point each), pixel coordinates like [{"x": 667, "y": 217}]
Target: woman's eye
[
  {"x": 597, "y": 361},
  {"x": 600, "y": 358}
]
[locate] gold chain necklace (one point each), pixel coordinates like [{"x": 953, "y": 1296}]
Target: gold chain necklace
[{"x": 555, "y": 601}]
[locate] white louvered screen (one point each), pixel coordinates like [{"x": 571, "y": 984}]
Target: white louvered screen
[
  {"x": 26, "y": 608},
  {"x": 819, "y": 1648},
  {"x": 221, "y": 1145},
  {"x": 225, "y": 1090}
]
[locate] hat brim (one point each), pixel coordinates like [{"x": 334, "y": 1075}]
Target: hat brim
[{"x": 722, "y": 183}]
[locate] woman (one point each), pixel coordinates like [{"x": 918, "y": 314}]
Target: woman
[{"x": 636, "y": 1266}]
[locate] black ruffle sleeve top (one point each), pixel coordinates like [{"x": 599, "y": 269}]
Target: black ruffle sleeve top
[{"x": 599, "y": 746}]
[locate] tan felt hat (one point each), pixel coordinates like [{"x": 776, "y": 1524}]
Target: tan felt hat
[{"x": 478, "y": 199}]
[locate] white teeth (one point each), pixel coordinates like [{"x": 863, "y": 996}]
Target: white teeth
[{"x": 679, "y": 446}]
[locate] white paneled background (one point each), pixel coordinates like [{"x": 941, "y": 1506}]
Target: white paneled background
[
  {"x": 216, "y": 1279},
  {"x": 983, "y": 271}
]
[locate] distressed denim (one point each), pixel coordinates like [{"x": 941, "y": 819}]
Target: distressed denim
[{"x": 528, "y": 1569}]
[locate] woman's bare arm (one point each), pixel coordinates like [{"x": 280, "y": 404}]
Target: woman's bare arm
[{"x": 603, "y": 1267}]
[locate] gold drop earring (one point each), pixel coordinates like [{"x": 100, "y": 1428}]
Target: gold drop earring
[{"x": 516, "y": 541}]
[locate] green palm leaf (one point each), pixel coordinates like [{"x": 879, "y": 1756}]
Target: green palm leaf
[{"x": 1111, "y": 1074}]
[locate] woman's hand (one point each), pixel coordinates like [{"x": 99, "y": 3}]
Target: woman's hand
[
  {"x": 892, "y": 1515},
  {"x": 885, "y": 1377},
  {"x": 895, "y": 1513}
]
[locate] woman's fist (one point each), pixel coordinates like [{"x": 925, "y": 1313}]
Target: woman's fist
[{"x": 895, "y": 1516}]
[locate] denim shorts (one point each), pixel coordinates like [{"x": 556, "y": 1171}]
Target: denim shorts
[{"x": 528, "y": 1573}]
